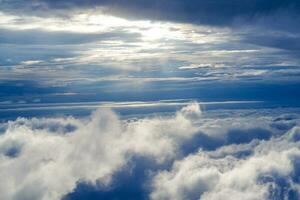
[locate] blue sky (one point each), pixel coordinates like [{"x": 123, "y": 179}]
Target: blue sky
[{"x": 149, "y": 99}]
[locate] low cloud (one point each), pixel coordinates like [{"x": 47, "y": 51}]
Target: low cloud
[
  {"x": 266, "y": 170},
  {"x": 44, "y": 159},
  {"x": 190, "y": 154}
]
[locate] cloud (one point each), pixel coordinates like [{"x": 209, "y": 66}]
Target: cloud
[
  {"x": 45, "y": 158},
  {"x": 24, "y": 37},
  {"x": 268, "y": 171},
  {"x": 188, "y": 154},
  {"x": 204, "y": 12},
  {"x": 196, "y": 66},
  {"x": 89, "y": 43},
  {"x": 282, "y": 41}
]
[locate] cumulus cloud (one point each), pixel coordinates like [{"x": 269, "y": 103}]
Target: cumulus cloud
[
  {"x": 221, "y": 155},
  {"x": 45, "y": 158},
  {"x": 269, "y": 170}
]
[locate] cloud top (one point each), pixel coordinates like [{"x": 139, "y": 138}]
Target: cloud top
[{"x": 48, "y": 164}]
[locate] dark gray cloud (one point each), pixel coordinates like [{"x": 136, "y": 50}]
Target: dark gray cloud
[
  {"x": 281, "y": 41},
  {"x": 213, "y": 12},
  {"x": 254, "y": 16}
]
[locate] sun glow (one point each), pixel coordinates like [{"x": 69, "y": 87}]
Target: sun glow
[{"x": 92, "y": 22}]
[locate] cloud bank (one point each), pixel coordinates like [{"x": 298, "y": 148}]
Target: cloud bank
[
  {"x": 44, "y": 159},
  {"x": 267, "y": 170},
  {"x": 191, "y": 41},
  {"x": 250, "y": 156},
  {"x": 196, "y": 11}
]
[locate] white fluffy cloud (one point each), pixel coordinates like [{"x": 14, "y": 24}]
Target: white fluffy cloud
[
  {"x": 211, "y": 155},
  {"x": 268, "y": 172},
  {"x": 45, "y": 158}
]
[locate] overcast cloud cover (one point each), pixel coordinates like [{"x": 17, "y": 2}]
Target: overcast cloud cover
[{"x": 149, "y": 99}]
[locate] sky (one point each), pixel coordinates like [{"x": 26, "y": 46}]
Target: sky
[{"x": 149, "y": 99}]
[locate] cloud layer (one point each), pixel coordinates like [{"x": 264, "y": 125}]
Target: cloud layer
[
  {"x": 249, "y": 156},
  {"x": 208, "y": 12},
  {"x": 44, "y": 159},
  {"x": 267, "y": 170},
  {"x": 149, "y": 41}
]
